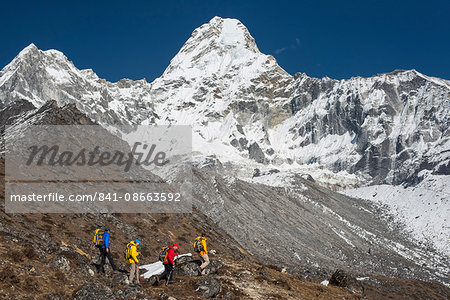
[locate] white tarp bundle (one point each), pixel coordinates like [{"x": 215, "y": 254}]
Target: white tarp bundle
[{"x": 157, "y": 268}]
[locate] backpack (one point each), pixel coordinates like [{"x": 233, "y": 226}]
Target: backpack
[
  {"x": 163, "y": 254},
  {"x": 98, "y": 238},
  {"x": 127, "y": 252},
  {"x": 198, "y": 247}
]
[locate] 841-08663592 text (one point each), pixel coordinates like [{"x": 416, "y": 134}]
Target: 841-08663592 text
[{"x": 97, "y": 196}]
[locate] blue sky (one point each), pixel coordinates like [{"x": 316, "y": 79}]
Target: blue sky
[{"x": 339, "y": 39}]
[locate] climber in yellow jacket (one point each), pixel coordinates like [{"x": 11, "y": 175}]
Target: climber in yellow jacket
[
  {"x": 133, "y": 260},
  {"x": 202, "y": 250}
]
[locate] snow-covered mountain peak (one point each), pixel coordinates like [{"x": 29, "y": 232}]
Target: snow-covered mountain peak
[
  {"x": 39, "y": 76},
  {"x": 232, "y": 33},
  {"x": 28, "y": 49},
  {"x": 29, "y": 65},
  {"x": 217, "y": 48},
  {"x": 216, "y": 79},
  {"x": 33, "y": 55}
]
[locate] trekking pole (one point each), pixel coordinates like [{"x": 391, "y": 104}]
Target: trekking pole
[{"x": 169, "y": 278}]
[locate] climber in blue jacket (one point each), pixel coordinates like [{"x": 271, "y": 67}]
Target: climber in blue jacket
[{"x": 105, "y": 252}]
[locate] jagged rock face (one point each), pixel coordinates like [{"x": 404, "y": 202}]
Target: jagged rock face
[
  {"x": 10, "y": 114},
  {"x": 40, "y": 76},
  {"x": 229, "y": 91},
  {"x": 385, "y": 128},
  {"x": 220, "y": 68},
  {"x": 388, "y": 127}
]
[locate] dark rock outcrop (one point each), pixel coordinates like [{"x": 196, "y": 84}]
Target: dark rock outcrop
[
  {"x": 211, "y": 287},
  {"x": 343, "y": 279},
  {"x": 93, "y": 291},
  {"x": 255, "y": 153},
  {"x": 192, "y": 267}
]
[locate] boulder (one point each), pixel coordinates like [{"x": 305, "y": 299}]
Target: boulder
[
  {"x": 119, "y": 279},
  {"x": 213, "y": 267},
  {"x": 152, "y": 280},
  {"x": 183, "y": 259},
  {"x": 127, "y": 292},
  {"x": 211, "y": 287},
  {"x": 342, "y": 279},
  {"x": 93, "y": 291},
  {"x": 62, "y": 263},
  {"x": 192, "y": 268}
]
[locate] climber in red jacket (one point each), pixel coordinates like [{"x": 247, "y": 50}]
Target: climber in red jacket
[{"x": 169, "y": 264}]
